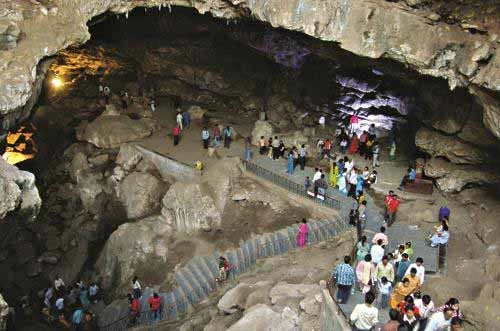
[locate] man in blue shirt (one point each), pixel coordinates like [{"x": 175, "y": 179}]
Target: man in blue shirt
[
  {"x": 410, "y": 177},
  {"x": 403, "y": 265},
  {"x": 345, "y": 277}
]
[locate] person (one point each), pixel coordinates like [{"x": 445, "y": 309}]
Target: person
[
  {"x": 353, "y": 121},
  {"x": 134, "y": 308},
  {"x": 360, "y": 183},
  {"x": 381, "y": 235},
  {"x": 224, "y": 268},
  {"x": 342, "y": 183},
  {"x": 442, "y": 235},
  {"x": 317, "y": 174},
  {"x": 353, "y": 147},
  {"x": 77, "y": 319},
  {"x": 216, "y": 133},
  {"x": 270, "y": 151},
  {"x": 247, "y": 149},
  {"x": 410, "y": 177},
  {"x": 362, "y": 143},
  {"x": 408, "y": 249},
  {"x": 353, "y": 181},
  {"x": 205, "y": 136},
  {"x": 364, "y": 273},
  {"x": 84, "y": 297},
  {"x": 320, "y": 186},
  {"x": 93, "y": 292},
  {"x": 401, "y": 290},
  {"x": 440, "y": 320},
  {"x": 384, "y": 289},
  {"x": 366, "y": 174},
  {"x": 320, "y": 144},
  {"x": 361, "y": 220},
  {"x": 60, "y": 304},
  {"x": 353, "y": 217},
  {"x": 262, "y": 145},
  {"x": 393, "y": 323},
  {"x": 302, "y": 234},
  {"x": 281, "y": 149},
  {"x": 392, "y": 151},
  {"x": 384, "y": 270},
  {"x": 62, "y": 322},
  {"x": 186, "y": 119},
  {"x": 176, "y": 132},
  {"x": 409, "y": 320},
  {"x": 59, "y": 284},
  {"x": 334, "y": 173},
  {"x": 154, "y": 304},
  {"x": 391, "y": 203},
  {"x": 403, "y": 265},
  {"x": 377, "y": 252},
  {"x": 343, "y": 145},
  {"x": 289, "y": 163},
  {"x": 414, "y": 280},
  {"x": 444, "y": 213},
  {"x": 348, "y": 164},
  {"x": 372, "y": 179},
  {"x": 419, "y": 267},
  {"x": 454, "y": 304},
  {"x": 178, "y": 119},
  {"x": 362, "y": 248},
  {"x": 101, "y": 90},
  {"x": 136, "y": 287},
  {"x": 152, "y": 105},
  {"x": 295, "y": 154},
  {"x": 372, "y": 132},
  {"x": 375, "y": 152},
  {"x": 302, "y": 155},
  {"x": 228, "y": 134},
  {"x": 307, "y": 183},
  {"x": 124, "y": 101},
  {"x": 322, "y": 121},
  {"x": 365, "y": 316},
  {"x": 397, "y": 255},
  {"x": 276, "y": 145},
  {"x": 425, "y": 306},
  {"x": 344, "y": 277},
  {"x": 369, "y": 149},
  {"x": 456, "y": 324}
]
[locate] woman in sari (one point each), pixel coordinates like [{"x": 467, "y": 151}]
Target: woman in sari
[
  {"x": 334, "y": 172},
  {"x": 302, "y": 235},
  {"x": 353, "y": 147},
  {"x": 362, "y": 248},
  {"x": 365, "y": 271},
  {"x": 341, "y": 182},
  {"x": 400, "y": 292}
]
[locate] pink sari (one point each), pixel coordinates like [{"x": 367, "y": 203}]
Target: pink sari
[{"x": 302, "y": 235}]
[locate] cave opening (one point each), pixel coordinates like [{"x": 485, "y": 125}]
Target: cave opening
[{"x": 228, "y": 73}]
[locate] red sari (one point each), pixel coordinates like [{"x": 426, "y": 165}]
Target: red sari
[{"x": 353, "y": 148}]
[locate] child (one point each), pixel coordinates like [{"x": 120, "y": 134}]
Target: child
[
  {"x": 307, "y": 183},
  {"x": 384, "y": 288},
  {"x": 408, "y": 250}
]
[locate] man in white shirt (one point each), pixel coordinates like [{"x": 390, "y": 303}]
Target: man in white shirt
[
  {"x": 348, "y": 165},
  {"x": 425, "y": 306},
  {"x": 440, "y": 321},
  {"x": 322, "y": 120},
  {"x": 317, "y": 175},
  {"x": 178, "y": 118},
  {"x": 377, "y": 252},
  {"x": 59, "y": 283},
  {"x": 419, "y": 265},
  {"x": 365, "y": 316}
]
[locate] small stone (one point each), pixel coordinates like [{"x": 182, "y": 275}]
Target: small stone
[
  {"x": 99, "y": 160},
  {"x": 434, "y": 17}
]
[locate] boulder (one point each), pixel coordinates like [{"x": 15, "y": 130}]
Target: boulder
[
  {"x": 296, "y": 138},
  {"x": 312, "y": 303},
  {"x": 258, "y": 317},
  {"x": 18, "y": 189},
  {"x": 455, "y": 150},
  {"x": 284, "y": 291},
  {"x": 128, "y": 156},
  {"x": 261, "y": 128},
  {"x": 189, "y": 208},
  {"x": 491, "y": 109},
  {"x": 141, "y": 194},
  {"x": 222, "y": 178},
  {"x": 139, "y": 248},
  {"x": 112, "y": 131},
  {"x": 99, "y": 160},
  {"x": 237, "y": 297}
]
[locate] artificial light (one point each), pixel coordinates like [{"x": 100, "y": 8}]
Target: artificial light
[{"x": 56, "y": 82}]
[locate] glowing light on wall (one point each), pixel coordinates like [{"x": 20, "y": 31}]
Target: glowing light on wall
[
  {"x": 56, "y": 82},
  {"x": 20, "y": 146}
]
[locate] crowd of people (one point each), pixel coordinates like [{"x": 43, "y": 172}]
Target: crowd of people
[
  {"x": 68, "y": 307},
  {"x": 394, "y": 280}
]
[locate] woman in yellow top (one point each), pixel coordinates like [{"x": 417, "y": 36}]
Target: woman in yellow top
[
  {"x": 400, "y": 292},
  {"x": 334, "y": 172}
]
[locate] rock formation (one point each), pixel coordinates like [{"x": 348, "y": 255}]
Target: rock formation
[{"x": 375, "y": 29}]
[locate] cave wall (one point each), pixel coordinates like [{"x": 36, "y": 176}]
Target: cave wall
[{"x": 376, "y": 28}]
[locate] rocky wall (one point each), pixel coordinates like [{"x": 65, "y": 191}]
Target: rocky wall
[{"x": 32, "y": 31}]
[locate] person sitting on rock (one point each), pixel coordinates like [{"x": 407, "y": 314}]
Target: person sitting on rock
[
  {"x": 410, "y": 177},
  {"x": 320, "y": 186}
]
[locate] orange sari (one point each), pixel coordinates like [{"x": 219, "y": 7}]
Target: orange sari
[{"x": 398, "y": 294}]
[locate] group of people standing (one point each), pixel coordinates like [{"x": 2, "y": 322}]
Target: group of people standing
[{"x": 393, "y": 280}]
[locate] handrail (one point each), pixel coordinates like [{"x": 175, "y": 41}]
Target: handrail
[{"x": 290, "y": 185}]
